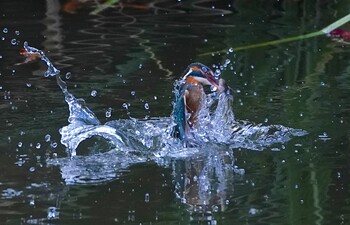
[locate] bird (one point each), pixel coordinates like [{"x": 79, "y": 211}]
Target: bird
[{"x": 190, "y": 96}]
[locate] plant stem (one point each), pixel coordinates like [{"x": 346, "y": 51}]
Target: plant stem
[{"x": 325, "y": 30}]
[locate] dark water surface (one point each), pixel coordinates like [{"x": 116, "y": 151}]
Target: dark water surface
[{"x": 123, "y": 62}]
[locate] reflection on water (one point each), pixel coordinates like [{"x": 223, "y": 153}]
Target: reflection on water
[{"x": 119, "y": 168}]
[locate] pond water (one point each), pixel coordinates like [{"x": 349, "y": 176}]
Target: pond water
[{"x": 91, "y": 145}]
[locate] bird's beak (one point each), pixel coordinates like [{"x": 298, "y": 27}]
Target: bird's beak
[{"x": 214, "y": 82}]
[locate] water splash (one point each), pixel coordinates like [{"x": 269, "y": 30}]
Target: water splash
[
  {"x": 137, "y": 141},
  {"x": 51, "y": 70},
  {"x": 83, "y": 123}
]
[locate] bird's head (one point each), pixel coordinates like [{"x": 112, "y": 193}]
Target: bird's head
[{"x": 201, "y": 74}]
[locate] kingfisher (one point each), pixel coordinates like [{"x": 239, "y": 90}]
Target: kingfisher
[{"x": 190, "y": 96}]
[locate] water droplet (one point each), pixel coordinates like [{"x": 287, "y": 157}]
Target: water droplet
[
  {"x": 215, "y": 208},
  {"x": 146, "y": 197},
  {"x": 91, "y": 115},
  {"x": 47, "y": 137},
  {"x": 52, "y": 213},
  {"x": 17, "y": 32},
  {"x": 20, "y": 144},
  {"x": 266, "y": 120},
  {"x": 32, "y": 202},
  {"x": 140, "y": 66},
  {"x": 29, "y": 85},
  {"x": 146, "y": 106},
  {"x": 93, "y": 93},
  {"x": 68, "y": 75},
  {"x": 5, "y": 30},
  {"x": 217, "y": 73},
  {"x": 252, "y": 66},
  {"x": 301, "y": 114},
  {"x": 109, "y": 113},
  {"x": 132, "y": 93},
  {"x": 38, "y": 145},
  {"x": 14, "y": 41},
  {"x": 213, "y": 88},
  {"x": 230, "y": 50},
  {"x": 54, "y": 144},
  {"x": 253, "y": 211},
  {"x": 125, "y": 105},
  {"x": 32, "y": 169}
]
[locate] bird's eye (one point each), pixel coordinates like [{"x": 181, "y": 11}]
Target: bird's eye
[{"x": 204, "y": 69}]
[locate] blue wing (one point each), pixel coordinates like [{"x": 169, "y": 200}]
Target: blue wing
[{"x": 179, "y": 114}]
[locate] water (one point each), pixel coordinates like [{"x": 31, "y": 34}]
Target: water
[{"x": 94, "y": 147}]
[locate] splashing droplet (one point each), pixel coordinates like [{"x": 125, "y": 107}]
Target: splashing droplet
[
  {"x": 14, "y": 41},
  {"x": 146, "y": 197},
  {"x": 146, "y": 106},
  {"x": 253, "y": 211},
  {"x": 68, "y": 75},
  {"x": 32, "y": 202},
  {"x": 213, "y": 88},
  {"x": 93, "y": 93},
  {"x": 54, "y": 145},
  {"x": 125, "y": 106},
  {"x": 217, "y": 73},
  {"x": 109, "y": 113},
  {"x": 5, "y": 30},
  {"x": 47, "y": 137},
  {"x": 52, "y": 213}
]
